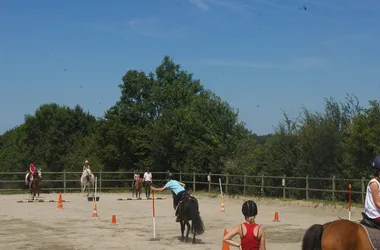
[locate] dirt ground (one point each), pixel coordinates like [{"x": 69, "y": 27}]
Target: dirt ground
[{"x": 43, "y": 226}]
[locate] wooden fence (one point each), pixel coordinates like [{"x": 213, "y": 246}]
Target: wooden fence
[{"x": 306, "y": 187}]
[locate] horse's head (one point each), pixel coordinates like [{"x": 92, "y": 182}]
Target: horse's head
[{"x": 87, "y": 172}]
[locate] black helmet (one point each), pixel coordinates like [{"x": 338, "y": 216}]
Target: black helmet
[
  {"x": 169, "y": 175},
  {"x": 376, "y": 162},
  {"x": 249, "y": 209}
]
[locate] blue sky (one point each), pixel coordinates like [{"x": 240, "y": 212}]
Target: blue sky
[{"x": 261, "y": 56}]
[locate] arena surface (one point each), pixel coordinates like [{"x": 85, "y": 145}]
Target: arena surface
[{"x": 42, "y": 226}]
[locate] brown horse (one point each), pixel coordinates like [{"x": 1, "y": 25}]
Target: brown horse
[
  {"x": 137, "y": 187},
  {"x": 35, "y": 184},
  {"x": 342, "y": 235}
]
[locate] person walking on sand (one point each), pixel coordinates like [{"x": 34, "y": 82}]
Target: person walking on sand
[
  {"x": 148, "y": 182},
  {"x": 251, "y": 234}
]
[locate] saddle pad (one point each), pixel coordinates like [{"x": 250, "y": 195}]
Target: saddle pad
[{"x": 373, "y": 236}]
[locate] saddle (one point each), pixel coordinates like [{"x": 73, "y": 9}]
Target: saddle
[
  {"x": 372, "y": 230},
  {"x": 366, "y": 221},
  {"x": 183, "y": 196}
]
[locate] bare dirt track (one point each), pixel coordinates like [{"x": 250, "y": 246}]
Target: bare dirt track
[{"x": 43, "y": 226}]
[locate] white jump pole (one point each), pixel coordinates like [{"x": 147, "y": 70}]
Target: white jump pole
[
  {"x": 349, "y": 200},
  {"x": 154, "y": 219},
  {"x": 221, "y": 190},
  {"x": 96, "y": 185}
]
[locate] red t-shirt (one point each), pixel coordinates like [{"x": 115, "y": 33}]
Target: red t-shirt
[{"x": 32, "y": 167}]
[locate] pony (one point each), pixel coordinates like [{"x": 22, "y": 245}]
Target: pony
[
  {"x": 188, "y": 210},
  {"x": 35, "y": 184},
  {"x": 342, "y": 234},
  {"x": 137, "y": 187},
  {"x": 87, "y": 179}
]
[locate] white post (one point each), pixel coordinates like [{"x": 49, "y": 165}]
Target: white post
[{"x": 96, "y": 184}]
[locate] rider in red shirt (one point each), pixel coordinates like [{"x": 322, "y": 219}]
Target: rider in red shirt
[
  {"x": 32, "y": 169},
  {"x": 252, "y": 235}
]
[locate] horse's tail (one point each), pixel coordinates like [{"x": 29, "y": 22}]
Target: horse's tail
[
  {"x": 312, "y": 238},
  {"x": 197, "y": 223}
]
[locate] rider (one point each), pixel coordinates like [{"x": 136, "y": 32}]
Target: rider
[
  {"x": 372, "y": 199},
  {"x": 136, "y": 177},
  {"x": 29, "y": 175},
  {"x": 86, "y": 166},
  {"x": 176, "y": 187},
  {"x": 251, "y": 234}
]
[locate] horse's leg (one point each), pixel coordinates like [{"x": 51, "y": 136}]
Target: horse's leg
[
  {"x": 193, "y": 231},
  {"x": 182, "y": 230},
  {"x": 188, "y": 231}
]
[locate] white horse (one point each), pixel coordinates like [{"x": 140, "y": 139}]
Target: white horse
[{"x": 87, "y": 179}]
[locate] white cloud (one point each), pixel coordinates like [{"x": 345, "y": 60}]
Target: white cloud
[
  {"x": 153, "y": 28},
  {"x": 200, "y": 4}
]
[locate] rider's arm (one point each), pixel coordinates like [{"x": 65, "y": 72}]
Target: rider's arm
[
  {"x": 375, "y": 193},
  {"x": 159, "y": 189},
  {"x": 182, "y": 184},
  {"x": 230, "y": 235}
]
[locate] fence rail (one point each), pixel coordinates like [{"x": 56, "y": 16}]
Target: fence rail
[{"x": 333, "y": 189}]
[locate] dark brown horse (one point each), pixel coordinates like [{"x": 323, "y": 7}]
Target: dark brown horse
[
  {"x": 35, "y": 184},
  {"x": 341, "y": 235}
]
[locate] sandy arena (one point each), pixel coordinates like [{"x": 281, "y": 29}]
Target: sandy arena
[{"x": 42, "y": 226}]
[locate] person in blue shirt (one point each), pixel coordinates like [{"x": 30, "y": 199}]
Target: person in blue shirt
[{"x": 177, "y": 188}]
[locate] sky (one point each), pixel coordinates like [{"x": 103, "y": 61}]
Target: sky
[{"x": 261, "y": 56}]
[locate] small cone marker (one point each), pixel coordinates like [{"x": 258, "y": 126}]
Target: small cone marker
[
  {"x": 59, "y": 205},
  {"x": 222, "y": 206},
  {"x": 225, "y": 246},
  {"x": 113, "y": 219},
  {"x": 276, "y": 219},
  {"x": 95, "y": 212}
]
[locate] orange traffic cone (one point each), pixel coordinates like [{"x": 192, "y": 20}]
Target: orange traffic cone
[
  {"x": 95, "y": 212},
  {"x": 59, "y": 205},
  {"x": 276, "y": 219},
  {"x": 225, "y": 246},
  {"x": 113, "y": 219},
  {"x": 222, "y": 206}
]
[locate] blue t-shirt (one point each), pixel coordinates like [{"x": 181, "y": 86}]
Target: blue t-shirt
[{"x": 174, "y": 186}]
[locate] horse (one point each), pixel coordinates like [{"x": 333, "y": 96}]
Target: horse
[
  {"x": 87, "y": 179},
  {"x": 342, "y": 234},
  {"x": 137, "y": 187},
  {"x": 35, "y": 184},
  {"x": 188, "y": 210}
]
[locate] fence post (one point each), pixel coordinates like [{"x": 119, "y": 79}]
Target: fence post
[
  {"x": 100, "y": 181},
  {"x": 209, "y": 182},
  {"x": 227, "y": 184},
  {"x": 64, "y": 181},
  {"x": 245, "y": 183},
  {"x": 283, "y": 186},
  {"x": 333, "y": 188},
  {"x": 262, "y": 185},
  {"x": 307, "y": 187},
  {"x": 194, "y": 182},
  {"x": 363, "y": 189},
  {"x": 180, "y": 176}
]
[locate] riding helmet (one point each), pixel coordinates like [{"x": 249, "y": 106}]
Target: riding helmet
[
  {"x": 249, "y": 209},
  {"x": 169, "y": 175},
  {"x": 376, "y": 162}
]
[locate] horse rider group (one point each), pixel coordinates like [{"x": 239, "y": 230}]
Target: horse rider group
[{"x": 147, "y": 181}]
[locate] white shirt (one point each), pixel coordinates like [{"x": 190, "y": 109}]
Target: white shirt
[
  {"x": 370, "y": 208},
  {"x": 148, "y": 176}
]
